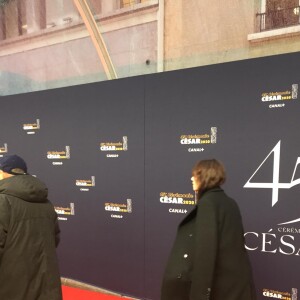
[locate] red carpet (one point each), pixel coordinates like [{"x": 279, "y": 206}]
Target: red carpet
[{"x": 70, "y": 293}]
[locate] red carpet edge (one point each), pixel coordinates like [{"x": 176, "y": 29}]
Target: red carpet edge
[{"x": 81, "y": 285}]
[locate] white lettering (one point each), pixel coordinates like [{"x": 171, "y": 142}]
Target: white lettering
[
  {"x": 177, "y": 211},
  {"x": 108, "y": 148},
  {"x": 112, "y": 208},
  {"x": 276, "y": 105},
  {"x": 190, "y": 141},
  {"x": 116, "y": 216},
  {"x": 53, "y": 156},
  {"x": 275, "y": 185},
  {"x": 264, "y": 242},
  {"x": 195, "y": 149},
  {"x": 248, "y": 248},
  {"x": 287, "y": 244},
  {"x": 171, "y": 200},
  {"x": 272, "y": 295},
  {"x": 112, "y": 155},
  {"x": 271, "y": 98}
]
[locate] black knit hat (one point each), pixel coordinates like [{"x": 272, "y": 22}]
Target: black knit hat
[{"x": 13, "y": 164}]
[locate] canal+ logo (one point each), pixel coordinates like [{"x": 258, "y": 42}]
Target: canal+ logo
[{"x": 281, "y": 98}]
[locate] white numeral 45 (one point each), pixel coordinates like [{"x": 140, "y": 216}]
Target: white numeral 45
[{"x": 275, "y": 185}]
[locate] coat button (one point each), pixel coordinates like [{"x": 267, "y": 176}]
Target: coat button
[
  {"x": 179, "y": 276},
  {"x": 185, "y": 255}
]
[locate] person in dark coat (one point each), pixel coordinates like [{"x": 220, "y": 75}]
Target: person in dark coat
[
  {"x": 208, "y": 260},
  {"x": 29, "y": 234}
]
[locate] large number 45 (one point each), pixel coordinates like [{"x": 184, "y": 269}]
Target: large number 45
[{"x": 275, "y": 185}]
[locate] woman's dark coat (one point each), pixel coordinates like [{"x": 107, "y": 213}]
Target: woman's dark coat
[
  {"x": 28, "y": 236},
  {"x": 208, "y": 260}
]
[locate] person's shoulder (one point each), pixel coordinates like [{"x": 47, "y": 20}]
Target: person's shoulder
[
  {"x": 218, "y": 197},
  {"x": 214, "y": 194}
]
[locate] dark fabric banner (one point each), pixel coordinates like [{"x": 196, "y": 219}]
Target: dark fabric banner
[{"x": 117, "y": 158}]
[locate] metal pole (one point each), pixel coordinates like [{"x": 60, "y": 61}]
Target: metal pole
[{"x": 96, "y": 37}]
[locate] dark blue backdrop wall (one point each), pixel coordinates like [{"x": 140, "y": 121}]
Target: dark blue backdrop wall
[{"x": 117, "y": 158}]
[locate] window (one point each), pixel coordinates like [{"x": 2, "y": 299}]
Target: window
[
  {"x": 15, "y": 18},
  {"x": 2, "y": 24},
  {"x": 20, "y": 17},
  {"x": 126, "y": 3},
  {"x": 278, "y": 14}
]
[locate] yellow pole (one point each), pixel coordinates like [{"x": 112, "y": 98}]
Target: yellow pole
[{"x": 96, "y": 37}]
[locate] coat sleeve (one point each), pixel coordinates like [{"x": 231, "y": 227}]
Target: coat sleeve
[
  {"x": 205, "y": 250},
  {"x": 4, "y": 223}
]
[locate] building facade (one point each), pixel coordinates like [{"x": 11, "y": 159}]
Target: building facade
[{"x": 46, "y": 44}]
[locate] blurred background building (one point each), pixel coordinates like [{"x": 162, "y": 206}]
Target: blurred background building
[{"x": 48, "y": 44}]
